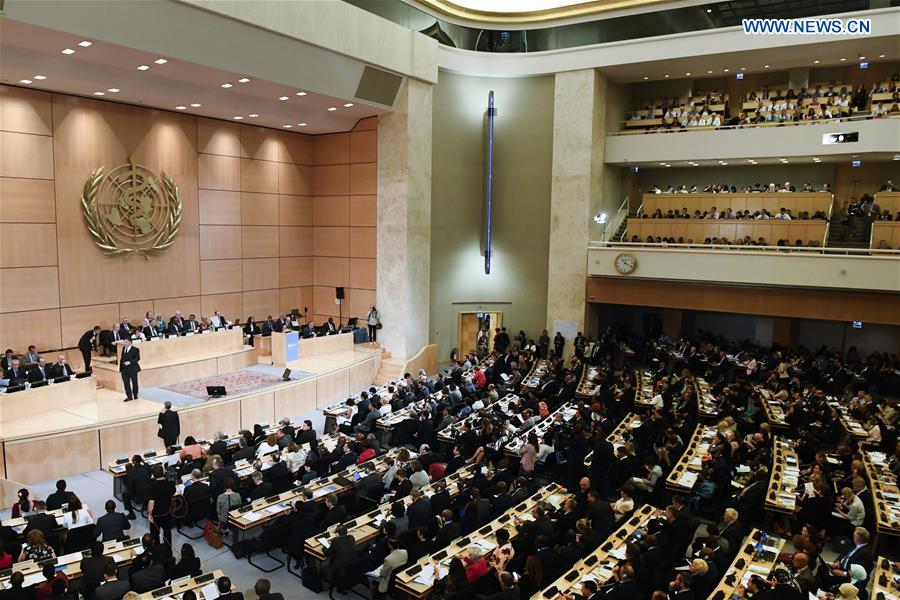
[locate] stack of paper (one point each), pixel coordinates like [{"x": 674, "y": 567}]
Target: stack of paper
[
  {"x": 252, "y": 516},
  {"x": 210, "y": 591}
]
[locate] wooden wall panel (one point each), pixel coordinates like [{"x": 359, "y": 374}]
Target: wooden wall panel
[
  {"x": 220, "y": 207},
  {"x": 291, "y": 298},
  {"x": 364, "y": 146},
  {"x": 167, "y": 307},
  {"x": 361, "y": 376},
  {"x": 258, "y": 408},
  {"x": 295, "y": 210},
  {"x": 228, "y": 305},
  {"x": 331, "y": 241},
  {"x": 135, "y": 311},
  {"x": 27, "y": 462},
  {"x": 126, "y": 438},
  {"x": 773, "y": 301},
  {"x": 220, "y": 276},
  {"x": 323, "y": 304},
  {"x": 294, "y": 400},
  {"x": 332, "y": 180},
  {"x": 295, "y": 179},
  {"x": 27, "y": 244},
  {"x": 260, "y": 304},
  {"x": 362, "y": 242},
  {"x": 220, "y": 241},
  {"x": 331, "y": 272},
  {"x": 219, "y": 172},
  {"x": 260, "y": 273},
  {"x": 25, "y": 111},
  {"x": 331, "y": 149},
  {"x": 259, "y": 143},
  {"x": 259, "y": 209},
  {"x": 363, "y": 178},
  {"x": 358, "y": 303},
  {"x": 367, "y": 124},
  {"x": 259, "y": 242},
  {"x": 332, "y": 388},
  {"x": 206, "y": 419},
  {"x": 294, "y": 148},
  {"x": 26, "y": 155},
  {"x": 294, "y": 272},
  {"x": 331, "y": 211},
  {"x": 362, "y": 273},
  {"x": 27, "y": 200},
  {"x": 363, "y": 210},
  {"x": 259, "y": 176},
  {"x": 30, "y": 288},
  {"x": 18, "y": 330},
  {"x": 295, "y": 241},
  {"x": 78, "y": 319},
  {"x": 218, "y": 137}
]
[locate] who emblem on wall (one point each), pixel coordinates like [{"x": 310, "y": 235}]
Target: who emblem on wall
[{"x": 131, "y": 210}]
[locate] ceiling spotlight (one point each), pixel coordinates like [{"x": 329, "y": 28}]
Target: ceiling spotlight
[
  {"x": 181, "y": 108},
  {"x": 786, "y": 162},
  {"x": 244, "y": 80},
  {"x": 99, "y": 93},
  {"x": 765, "y": 66},
  {"x": 40, "y": 77},
  {"x": 68, "y": 51},
  {"x": 301, "y": 124},
  {"x": 287, "y": 126},
  {"x": 143, "y": 68},
  {"x": 843, "y": 60},
  {"x": 196, "y": 105},
  {"x": 881, "y": 56},
  {"x": 862, "y": 57},
  {"x": 113, "y": 90},
  {"x": 253, "y": 115},
  {"x": 348, "y": 105},
  {"x": 646, "y": 78},
  {"x": 160, "y": 61},
  {"x": 226, "y": 85},
  {"x": 284, "y": 98},
  {"x": 688, "y": 74},
  {"x": 85, "y": 44},
  {"x": 709, "y": 10},
  {"x": 238, "y": 118},
  {"x": 724, "y": 163},
  {"x": 709, "y": 72},
  {"x": 301, "y": 93},
  {"x": 600, "y": 218},
  {"x": 662, "y": 163},
  {"x": 25, "y": 81},
  {"x": 668, "y": 165},
  {"x": 331, "y": 109},
  {"x": 815, "y": 62},
  {"x": 727, "y": 70}
]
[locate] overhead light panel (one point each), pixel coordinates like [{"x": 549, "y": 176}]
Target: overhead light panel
[
  {"x": 68, "y": 51},
  {"x": 253, "y": 115},
  {"x": 181, "y": 107},
  {"x": 237, "y": 118},
  {"x": 85, "y": 44},
  {"x": 287, "y": 126},
  {"x": 160, "y": 61},
  {"x": 646, "y": 78},
  {"x": 815, "y": 62},
  {"x": 727, "y": 70},
  {"x": 244, "y": 80},
  {"x": 301, "y": 124},
  {"x": 301, "y": 93},
  {"x": 226, "y": 85},
  {"x": 25, "y": 81},
  {"x": 99, "y": 93},
  {"x": 284, "y": 98},
  {"x": 113, "y": 90},
  {"x": 332, "y": 109},
  {"x": 881, "y": 56},
  {"x": 40, "y": 77},
  {"x": 196, "y": 105},
  {"x": 348, "y": 105},
  {"x": 143, "y": 68}
]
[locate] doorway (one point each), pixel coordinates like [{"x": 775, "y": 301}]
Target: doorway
[{"x": 476, "y": 332}]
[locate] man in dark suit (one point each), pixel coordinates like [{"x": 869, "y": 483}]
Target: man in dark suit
[
  {"x": 151, "y": 329},
  {"x": 225, "y": 593},
  {"x": 169, "y": 425},
  {"x": 93, "y": 568},
  {"x": 423, "y": 545},
  {"x": 192, "y": 325},
  {"x": 39, "y": 372},
  {"x": 330, "y": 326},
  {"x": 61, "y": 496},
  {"x": 343, "y": 554},
  {"x": 680, "y": 588},
  {"x": 7, "y": 361},
  {"x": 86, "y": 344},
  {"x": 61, "y": 368},
  {"x": 268, "y": 326},
  {"x": 113, "y": 524},
  {"x": 419, "y": 512},
  {"x": 368, "y": 486},
  {"x": 860, "y": 554},
  {"x": 334, "y": 512},
  {"x": 198, "y": 489},
  {"x": 176, "y": 324},
  {"x": 218, "y": 476},
  {"x": 263, "y": 591},
  {"x": 41, "y": 521},
  {"x": 111, "y": 588},
  {"x": 440, "y": 500},
  {"x": 259, "y": 488},
  {"x": 129, "y": 367},
  {"x": 16, "y": 373},
  {"x": 449, "y": 531}
]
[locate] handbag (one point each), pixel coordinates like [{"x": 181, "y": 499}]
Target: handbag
[
  {"x": 378, "y": 325},
  {"x": 212, "y": 536}
]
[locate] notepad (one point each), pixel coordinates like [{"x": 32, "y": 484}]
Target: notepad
[
  {"x": 252, "y": 516},
  {"x": 210, "y": 591},
  {"x": 326, "y": 543}
]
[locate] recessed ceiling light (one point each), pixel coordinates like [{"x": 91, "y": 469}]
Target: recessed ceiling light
[
  {"x": 226, "y": 85},
  {"x": 301, "y": 93},
  {"x": 765, "y": 66},
  {"x": 160, "y": 61},
  {"x": 663, "y": 163},
  {"x": 331, "y": 109},
  {"x": 348, "y": 105},
  {"x": 244, "y": 80},
  {"x": 843, "y": 60},
  {"x": 862, "y": 58},
  {"x": 724, "y": 163},
  {"x": 727, "y": 70},
  {"x": 743, "y": 68},
  {"x": 113, "y": 90},
  {"x": 301, "y": 124},
  {"x": 181, "y": 107},
  {"x": 709, "y": 72},
  {"x": 287, "y": 126},
  {"x": 646, "y": 78},
  {"x": 881, "y": 56},
  {"x": 68, "y": 51},
  {"x": 196, "y": 105},
  {"x": 85, "y": 44},
  {"x": 786, "y": 162},
  {"x": 668, "y": 165},
  {"x": 815, "y": 62},
  {"x": 284, "y": 98},
  {"x": 253, "y": 115},
  {"x": 238, "y": 118},
  {"x": 40, "y": 77},
  {"x": 688, "y": 74},
  {"x": 667, "y": 76},
  {"x": 709, "y": 10},
  {"x": 99, "y": 93},
  {"x": 25, "y": 81},
  {"x": 143, "y": 68}
]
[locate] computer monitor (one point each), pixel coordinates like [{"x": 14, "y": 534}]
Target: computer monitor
[
  {"x": 286, "y": 376},
  {"x": 215, "y": 391}
]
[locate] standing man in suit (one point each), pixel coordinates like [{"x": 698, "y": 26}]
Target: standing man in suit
[
  {"x": 61, "y": 368},
  {"x": 169, "y": 425},
  {"x": 86, "y": 343},
  {"x": 129, "y": 367}
]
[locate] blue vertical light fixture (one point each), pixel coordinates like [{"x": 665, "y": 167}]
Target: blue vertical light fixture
[{"x": 488, "y": 180}]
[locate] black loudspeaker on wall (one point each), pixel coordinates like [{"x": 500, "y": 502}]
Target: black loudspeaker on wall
[{"x": 339, "y": 293}]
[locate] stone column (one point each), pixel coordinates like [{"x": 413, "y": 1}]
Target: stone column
[
  {"x": 578, "y": 141},
  {"x": 404, "y": 220}
]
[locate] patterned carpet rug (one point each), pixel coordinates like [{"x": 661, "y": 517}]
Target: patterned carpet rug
[{"x": 237, "y": 382}]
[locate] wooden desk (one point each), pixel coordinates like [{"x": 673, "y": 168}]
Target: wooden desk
[
  {"x": 50, "y": 398},
  {"x": 564, "y": 413},
  {"x": 783, "y": 479},
  {"x": 748, "y": 563},
  {"x": 180, "y": 586},
  {"x": 18, "y": 524},
  {"x": 598, "y": 565},
  {"x": 482, "y": 364},
  {"x": 259, "y": 512},
  {"x": 366, "y": 527},
  {"x": 643, "y": 393},
  {"x": 586, "y": 385},
  {"x": 884, "y": 581},
  {"x": 887, "y": 232},
  {"x": 707, "y": 405},
  {"x": 851, "y": 425},
  {"x": 418, "y": 580},
  {"x": 775, "y": 413},
  {"x": 885, "y": 493},
  {"x": 122, "y": 552},
  {"x": 752, "y": 201},
  {"x": 340, "y": 410},
  {"x": 686, "y": 471},
  {"x": 619, "y": 436},
  {"x": 448, "y": 434},
  {"x": 188, "y": 348},
  {"x": 532, "y": 380}
]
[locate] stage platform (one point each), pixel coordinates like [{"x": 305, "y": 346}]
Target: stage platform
[{"x": 88, "y": 435}]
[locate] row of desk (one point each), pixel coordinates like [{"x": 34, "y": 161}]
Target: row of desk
[
  {"x": 707, "y": 405},
  {"x": 850, "y": 423},
  {"x": 532, "y": 380},
  {"x": 885, "y": 492},
  {"x": 449, "y": 434},
  {"x": 774, "y": 409},
  {"x": 619, "y": 436},
  {"x": 644, "y": 390},
  {"x": 586, "y": 384},
  {"x": 784, "y": 478},
  {"x": 686, "y": 471},
  {"x": 757, "y": 557},
  {"x": 564, "y": 412}
]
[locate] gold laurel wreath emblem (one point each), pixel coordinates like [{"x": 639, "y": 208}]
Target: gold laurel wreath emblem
[{"x": 106, "y": 242}]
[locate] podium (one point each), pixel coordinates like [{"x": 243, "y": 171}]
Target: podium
[{"x": 285, "y": 347}]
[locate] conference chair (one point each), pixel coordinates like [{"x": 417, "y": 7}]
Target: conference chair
[
  {"x": 80, "y": 538},
  {"x": 198, "y": 510},
  {"x": 272, "y": 538}
]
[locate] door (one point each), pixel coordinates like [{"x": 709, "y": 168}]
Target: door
[{"x": 476, "y": 332}]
